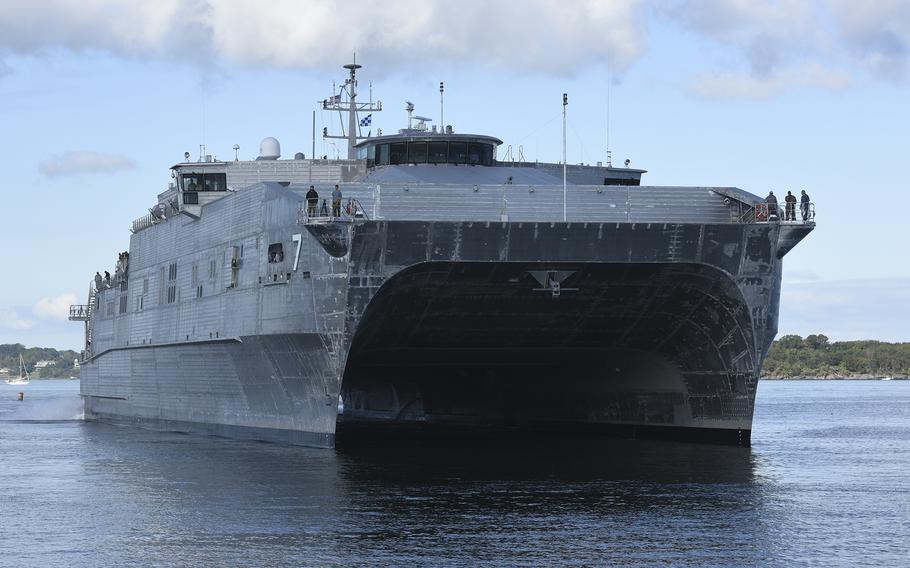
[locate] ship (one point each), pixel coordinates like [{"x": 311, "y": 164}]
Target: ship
[{"x": 447, "y": 290}]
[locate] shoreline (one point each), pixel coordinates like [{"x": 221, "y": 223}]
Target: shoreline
[{"x": 836, "y": 378}]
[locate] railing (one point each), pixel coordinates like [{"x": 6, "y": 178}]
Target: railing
[
  {"x": 767, "y": 212},
  {"x": 80, "y": 312},
  {"x": 144, "y": 222},
  {"x": 350, "y": 210}
]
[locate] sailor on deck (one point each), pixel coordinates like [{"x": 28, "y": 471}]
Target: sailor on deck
[
  {"x": 336, "y": 202},
  {"x": 804, "y": 205},
  {"x": 771, "y": 200},
  {"x": 312, "y": 200},
  {"x": 790, "y": 201}
]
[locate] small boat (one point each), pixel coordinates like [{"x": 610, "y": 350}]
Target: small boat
[
  {"x": 23, "y": 375},
  {"x": 887, "y": 378}
]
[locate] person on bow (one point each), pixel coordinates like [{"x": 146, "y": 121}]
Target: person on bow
[
  {"x": 804, "y": 205},
  {"x": 312, "y": 200},
  {"x": 790, "y": 201},
  {"x": 336, "y": 202},
  {"x": 771, "y": 200}
]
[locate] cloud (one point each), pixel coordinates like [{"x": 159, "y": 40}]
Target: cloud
[
  {"x": 773, "y": 47},
  {"x": 765, "y": 47},
  {"x": 84, "y": 162},
  {"x": 737, "y": 85},
  {"x": 54, "y": 308},
  {"x": 396, "y": 35},
  {"x": 847, "y": 309},
  {"x": 877, "y": 32},
  {"x": 10, "y": 319}
]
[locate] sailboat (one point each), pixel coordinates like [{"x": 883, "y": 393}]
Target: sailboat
[{"x": 23, "y": 375}]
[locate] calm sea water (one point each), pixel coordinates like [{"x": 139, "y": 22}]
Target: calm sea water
[{"x": 827, "y": 482}]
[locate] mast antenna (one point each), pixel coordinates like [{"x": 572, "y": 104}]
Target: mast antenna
[
  {"x": 351, "y": 107},
  {"x": 609, "y": 152},
  {"x": 565, "y": 103},
  {"x": 441, "y": 121}
]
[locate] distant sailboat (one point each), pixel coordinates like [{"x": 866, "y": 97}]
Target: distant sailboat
[{"x": 23, "y": 375}]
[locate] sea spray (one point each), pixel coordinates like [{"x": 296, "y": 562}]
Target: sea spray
[{"x": 47, "y": 409}]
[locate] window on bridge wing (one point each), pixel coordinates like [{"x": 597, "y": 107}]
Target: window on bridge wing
[
  {"x": 417, "y": 153},
  {"x": 458, "y": 152},
  {"x": 398, "y": 153},
  {"x": 276, "y": 252},
  {"x": 382, "y": 155},
  {"x": 214, "y": 182},
  {"x": 475, "y": 154},
  {"x": 192, "y": 182},
  {"x": 204, "y": 182},
  {"x": 437, "y": 152}
]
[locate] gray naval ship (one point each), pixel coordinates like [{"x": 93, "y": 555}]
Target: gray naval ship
[{"x": 447, "y": 291}]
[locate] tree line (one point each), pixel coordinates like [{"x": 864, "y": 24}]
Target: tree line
[
  {"x": 791, "y": 356},
  {"x": 62, "y": 367}
]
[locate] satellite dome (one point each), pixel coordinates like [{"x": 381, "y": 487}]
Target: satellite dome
[
  {"x": 269, "y": 149},
  {"x": 299, "y": 156}
]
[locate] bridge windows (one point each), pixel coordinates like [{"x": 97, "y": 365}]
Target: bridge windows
[
  {"x": 417, "y": 153},
  {"x": 430, "y": 152},
  {"x": 398, "y": 153},
  {"x": 193, "y": 181},
  {"x": 438, "y": 152},
  {"x": 479, "y": 154},
  {"x": 458, "y": 152}
]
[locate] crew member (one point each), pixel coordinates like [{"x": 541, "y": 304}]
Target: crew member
[
  {"x": 312, "y": 200},
  {"x": 771, "y": 200},
  {"x": 790, "y": 201},
  {"x": 107, "y": 279},
  {"x": 336, "y": 202},
  {"x": 98, "y": 281},
  {"x": 804, "y": 205}
]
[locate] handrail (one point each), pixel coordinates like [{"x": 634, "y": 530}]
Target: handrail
[
  {"x": 80, "y": 312},
  {"x": 765, "y": 212},
  {"x": 350, "y": 211}
]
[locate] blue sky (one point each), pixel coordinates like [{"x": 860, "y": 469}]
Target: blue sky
[{"x": 99, "y": 97}]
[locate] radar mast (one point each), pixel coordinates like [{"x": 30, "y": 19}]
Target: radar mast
[{"x": 350, "y": 106}]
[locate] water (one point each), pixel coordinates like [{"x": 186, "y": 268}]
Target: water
[{"x": 825, "y": 483}]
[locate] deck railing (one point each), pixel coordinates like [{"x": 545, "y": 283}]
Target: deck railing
[
  {"x": 767, "y": 212},
  {"x": 351, "y": 210}
]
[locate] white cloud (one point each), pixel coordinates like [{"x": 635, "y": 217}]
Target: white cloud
[
  {"x": 537, "y": 35},
  {"x": 10, "y": 319},
  {"x": 877, "y": 32},
  {"x": 54, "y": 308},
  {"x": 738, "y": 85},
  {"x": 774, "y": 47},
  {"x": 766, "y": 47},
  {"x": 84, "y": 162}
]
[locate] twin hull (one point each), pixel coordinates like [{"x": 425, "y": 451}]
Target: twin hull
[{"x": 648, "y": 329}]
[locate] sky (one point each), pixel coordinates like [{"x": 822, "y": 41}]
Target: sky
[{"x": 98, "y": 98}]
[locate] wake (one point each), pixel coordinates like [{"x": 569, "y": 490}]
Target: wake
[{"x": 62, "y": 409}]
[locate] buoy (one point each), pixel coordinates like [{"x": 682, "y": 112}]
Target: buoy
[{"x": 21, "y": 396}]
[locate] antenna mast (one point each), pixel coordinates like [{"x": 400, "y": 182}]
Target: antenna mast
[
  {"x": 441, "y": 121},
  {"x": 609, "y": 152},
  {"x": 351, "y": 107},
  {"x": 565, "y": 103}
]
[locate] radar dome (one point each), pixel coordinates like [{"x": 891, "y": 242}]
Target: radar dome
[{"x": 269, "y": 149}]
